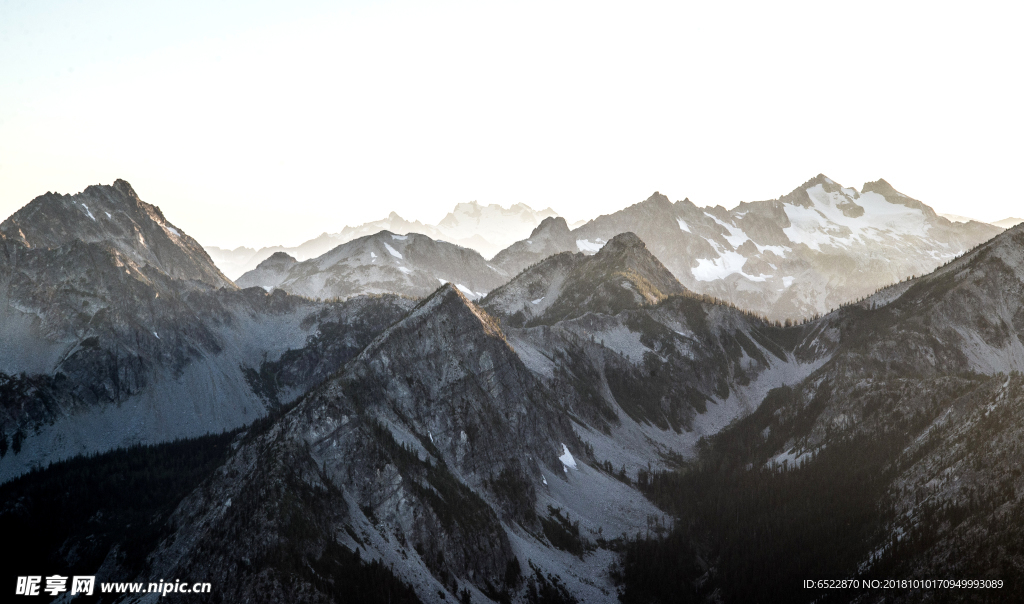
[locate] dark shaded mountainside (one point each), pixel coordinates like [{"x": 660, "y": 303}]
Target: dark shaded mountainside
[
  {"x": 590, "y": 428},
  {"x": 116, "y": 328},
  {"x": 898, "y": 458}
]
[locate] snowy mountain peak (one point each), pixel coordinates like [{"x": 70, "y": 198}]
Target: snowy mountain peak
[{"x": 822, "y": 180}]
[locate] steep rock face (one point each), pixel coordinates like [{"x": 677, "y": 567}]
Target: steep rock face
[
  {"x": 412, "y": 265},
  {"x": 430, "y": 440},
  {"x": 623, "y": 274}
]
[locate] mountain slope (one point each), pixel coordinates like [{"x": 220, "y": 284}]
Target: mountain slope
[
  {"x": 411, "y": 265},
  {"x": 435, "y": 451},
  {"x": 914, "y": 422},
  {"x": 121, "y": 330},
  {"x": 645, "y": 367}
]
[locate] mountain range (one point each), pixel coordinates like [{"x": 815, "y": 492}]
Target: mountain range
[
  {"x": 569, "y": 421},
  {"x": 484, "y": 228},
  {"x": 802, "y": 255}
]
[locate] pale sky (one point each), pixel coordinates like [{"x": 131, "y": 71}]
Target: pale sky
[{"x": 269, "y": 123}]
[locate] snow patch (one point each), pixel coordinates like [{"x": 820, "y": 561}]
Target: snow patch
[
  {"x": 683, "y": 226},
  {"x": 173, "y": 231},
  {"x": 405, "y": 270},
  {"x": 88, "y": 212},
  {"x": 585, "y": 245},
  {"x": 787, "y": 281},
  {"x": 825, "y": 224},
  {"x": 537, "y": 301},
  {"x": 566, "y": 458},
  {"x": 393, "y": 251},
  {"x": 399, "y": 237},
  {"x": 726, "y": 264}
]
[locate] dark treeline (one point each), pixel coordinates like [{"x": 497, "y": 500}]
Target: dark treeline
[
  {"x": 754, "y": 535},
  {"x": 67, "y": 518}
]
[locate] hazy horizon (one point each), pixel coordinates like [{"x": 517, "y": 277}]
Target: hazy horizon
[{"x": 256, "y": 124}]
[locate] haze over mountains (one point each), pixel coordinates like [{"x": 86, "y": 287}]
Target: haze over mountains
[
  {"x": 510, "y": 428},
  {"x": 484, "y": 228},
  {"x": 801, "y": 255}
]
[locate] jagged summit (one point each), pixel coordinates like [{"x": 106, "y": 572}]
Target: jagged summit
[
  {"x": 551, "y": 225},
  {"x": 113, "y": 216},
  {"x": 820, "y": 179},
  {"x": 804, "y": 253},
  {"x": 658, "y": 199}
]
